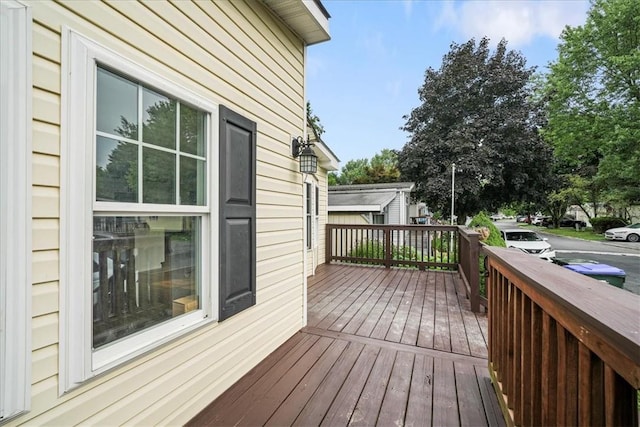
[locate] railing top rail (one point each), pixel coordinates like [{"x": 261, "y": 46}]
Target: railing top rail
[
  {"x": 395, "y": 226},
  {"x": 595, "y": 308}
]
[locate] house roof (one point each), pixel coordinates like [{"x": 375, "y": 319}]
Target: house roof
[
  {"x": 397, "y": 186},
  {"x": 359, "y": 201},
  {"x": 326, "y": 158},
  {"x": 365, "y": 197},
  {"x": 308, "y": 19}
]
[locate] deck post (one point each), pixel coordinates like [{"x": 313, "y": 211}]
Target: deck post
[
  {"x": 474, "y": 272},
  {"x": 328, "y": 248},
  {"x": 388, "y": 253}
]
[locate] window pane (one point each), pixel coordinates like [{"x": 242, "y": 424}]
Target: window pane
[
  {"x": 191, "y": 131},
  {"x": 117, "y": 105},
  {"x": 146, "y": 270},
  {"x": 158, "y": 177},
  {"x": 159, "y": 119},
  {"x": 192, "y": 181},
  {"x": 116, "y": 170}
]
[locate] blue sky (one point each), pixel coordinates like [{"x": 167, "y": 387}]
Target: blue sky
[{"x": 366, "y": 78}]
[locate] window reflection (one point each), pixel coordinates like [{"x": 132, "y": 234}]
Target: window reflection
[
  {"x": 191, "y": 130},
  {"x": 116, "y": 170},
  {"x": 117, "y": 105},
  {"x": 192, "y": 178},
  {"x": 159, "y": 119},
  {"x": 145, "y": 271},
  {"x": 158, "y": 165},
  {"x": 158, "y": 176}
]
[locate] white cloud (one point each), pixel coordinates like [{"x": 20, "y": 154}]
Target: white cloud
[
  {"x": 408, "y": 8},
  {"x": 518, "y": 21},
  {"x": 374, "y": 45}
]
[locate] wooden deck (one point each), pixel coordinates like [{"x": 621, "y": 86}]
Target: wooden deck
[{"x": 382, "y": 347}]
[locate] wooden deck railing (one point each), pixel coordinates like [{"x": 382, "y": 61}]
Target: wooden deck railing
[
  {"x": 564, "y": 349},
  {"x": 422, "y": 246}
]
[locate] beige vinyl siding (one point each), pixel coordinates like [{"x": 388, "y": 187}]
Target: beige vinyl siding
[
  {"x": 233, "y": 53},
  {"x": 323, "y": 214},
  {"x": 346, "y": 218},
  {"x": 316, "y": 256}
]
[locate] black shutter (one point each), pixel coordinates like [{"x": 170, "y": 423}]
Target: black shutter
[{"x": 237, "y": 213}]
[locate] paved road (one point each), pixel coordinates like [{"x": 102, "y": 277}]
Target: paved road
[{"x": 624, "y": 255}]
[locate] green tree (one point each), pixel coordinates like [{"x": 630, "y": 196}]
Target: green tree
[
  {"x": 383, "y": 167},
  {"x": 332, "y": 178},
  {"x": 354, "y": 172},
  {"x": 593, "y": 104},
  {"x": 477, "y": 112}
]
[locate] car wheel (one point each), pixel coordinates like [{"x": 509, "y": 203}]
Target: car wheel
[{"x": 633, "y": 237}]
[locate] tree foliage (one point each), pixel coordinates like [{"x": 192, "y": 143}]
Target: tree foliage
[
  {"x": 383, "y": 167},
  {"x": 477, "y": 112},
  {"x": 593, "y": 103},
  {"x": 314, "y": 121}
]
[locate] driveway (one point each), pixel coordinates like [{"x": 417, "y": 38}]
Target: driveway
[{"x": 624, "y": 255}]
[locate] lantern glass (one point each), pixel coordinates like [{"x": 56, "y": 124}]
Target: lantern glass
[{"x": 308, "y": 161}]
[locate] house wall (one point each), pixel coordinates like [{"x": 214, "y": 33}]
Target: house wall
[
  {"x": 347, "y": 218},
  {"x": 393, "y": 211},
  {"x": 398, "y": 209},
  {"x": 236, "y": 54},
  {"x": 316, "y": 255}
]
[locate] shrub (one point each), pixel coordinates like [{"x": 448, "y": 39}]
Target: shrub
[
  {"x": 603, "y": 223},
  {"x": 494, "y": 239},
  {"x": 440, "y": 242},
  {"x": 482, "y": 220},
  {"x": 375, "y": 249}
]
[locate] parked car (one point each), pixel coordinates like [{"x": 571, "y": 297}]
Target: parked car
[
  {"x": 564, "y": 222},
  {"x": 529, "y": 242},
  {"x": 630, "y": 233},
  {"x": 522, "y": 218},
  {"x": 496, "y": 217},
  {"x": 537, "y": 220}
]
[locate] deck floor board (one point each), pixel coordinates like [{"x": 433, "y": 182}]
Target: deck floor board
[{"x": 382, "y": 347}]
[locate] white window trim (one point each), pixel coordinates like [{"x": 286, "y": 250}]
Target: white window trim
[
  {"x": 316, "y": 215},
  {"x": 308, "y": 216},
  {"x": 15, "y": 208},
  {"x": 77, "y": 362}
]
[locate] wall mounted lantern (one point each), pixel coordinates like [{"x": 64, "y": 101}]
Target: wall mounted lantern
[{"x": 308, "y": 159}]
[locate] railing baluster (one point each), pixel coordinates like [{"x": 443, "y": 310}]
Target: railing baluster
[{"x": 553, "y": 358}]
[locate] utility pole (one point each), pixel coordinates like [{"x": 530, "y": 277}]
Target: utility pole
[{"x": 453, "y": 193}]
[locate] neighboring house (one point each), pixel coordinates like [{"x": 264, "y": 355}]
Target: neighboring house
[
  {"x": 386, "y": 203},
  {"x": 152, "y": 214},
  {"x": 316, "y": 199}
]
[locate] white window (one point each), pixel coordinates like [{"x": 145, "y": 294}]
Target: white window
[
  {"x": 138, "y": 208},
  {"x": 317, "y": 216},
  {"x": 15, "y": 208},
  {"x": 308, "y": 214}
]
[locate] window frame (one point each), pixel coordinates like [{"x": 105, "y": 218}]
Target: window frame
[
  {"x": 15, "y": 208},
  {"x": 308, "y": 200},
  {"x": 81, "y": 58},
  {"x": 316, "y": 209}
]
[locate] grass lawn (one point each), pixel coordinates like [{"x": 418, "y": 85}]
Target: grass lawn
[{"x": 587, "y": 234}]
